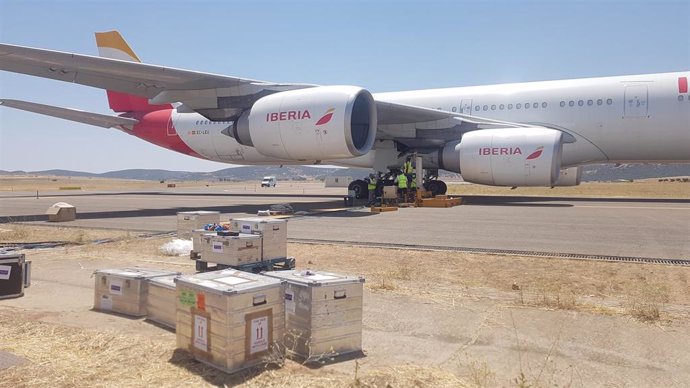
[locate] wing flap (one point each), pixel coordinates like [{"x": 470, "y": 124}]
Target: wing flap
[{"x": 97, "y": 119}]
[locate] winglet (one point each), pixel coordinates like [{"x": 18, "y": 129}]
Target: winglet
[{"x": 112, "y": 45}]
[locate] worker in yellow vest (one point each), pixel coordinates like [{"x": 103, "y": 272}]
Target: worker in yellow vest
[
  {"x": 401, "y": 180},
  {"x": 371, "y": 186}
]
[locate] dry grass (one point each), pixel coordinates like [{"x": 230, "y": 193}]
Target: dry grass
[
  {"x": 646, "y": 302},
  {"x": 637, "y": 189}
]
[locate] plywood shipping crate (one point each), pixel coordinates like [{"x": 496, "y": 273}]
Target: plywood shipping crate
[
  {"x": 273, "y": 231},
  {"x": 189, "y": 221},
  {"x": 230, "y": 250},
  {"x": 323, "y": 313},
  {"x": 161, "y": 301},
  {"x": 230, "y": 319},
  {"x": 124, "y": 290}
]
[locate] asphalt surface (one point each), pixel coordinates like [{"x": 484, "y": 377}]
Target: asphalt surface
[{"x": 626, "y": 227}]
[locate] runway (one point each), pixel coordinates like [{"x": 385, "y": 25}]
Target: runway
[{"x": 618, "y": 227}]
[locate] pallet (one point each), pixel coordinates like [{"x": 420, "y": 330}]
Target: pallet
[
  {"x": 279, "y": 264},
  {"x": 441, "y": 201},
  {"x": 382, "y": 209}
]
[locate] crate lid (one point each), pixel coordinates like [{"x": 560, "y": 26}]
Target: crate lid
[
  {"x": 228, "y": 281},
  {"x": 164, "y": 281},
  {"x": 267, "y": 220},
  {"x": 11, "y": 257},
  {"x": 314, "y": 278},
  {"x": 135, "y": 273},
  {"x": 241, "y": 236},
  {"x": 198, "y": 212}
]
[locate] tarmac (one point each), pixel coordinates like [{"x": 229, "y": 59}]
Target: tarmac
[{"x": 603, "y": 226}]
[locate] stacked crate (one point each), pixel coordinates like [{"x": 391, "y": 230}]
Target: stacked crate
[
  {"x": 230, "y": 319},
  {"x": 124, "y": 290},
  {"x": 189, "y": 221},
  {"x": 161, "y": 306},
  {"x": 234, "y": 249},
  {"x": 323, "y": 313},
  {"x": 273, "y": 231}
]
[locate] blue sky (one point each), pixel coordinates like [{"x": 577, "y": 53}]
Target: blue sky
[{"x": 379, "y": 45}]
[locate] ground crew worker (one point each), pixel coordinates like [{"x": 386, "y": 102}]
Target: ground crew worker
[
  {"x": 413, "y": 187},
  {"x": 401, "y": 180},
  {"x": 407, "y": 166},
  {"x": 371, "y": 186}
]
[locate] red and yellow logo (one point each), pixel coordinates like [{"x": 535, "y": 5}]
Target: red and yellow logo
[
  {"x": 325, "y": 119},
  {"x": 536, "y": 154}
]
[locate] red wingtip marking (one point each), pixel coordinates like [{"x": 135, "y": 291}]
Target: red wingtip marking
[{"x": 682, "y": 84}]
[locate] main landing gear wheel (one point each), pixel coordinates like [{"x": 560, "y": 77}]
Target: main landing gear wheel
[
  {"x": 360, "y": 188},
  {"x": 437, "y": 187}
]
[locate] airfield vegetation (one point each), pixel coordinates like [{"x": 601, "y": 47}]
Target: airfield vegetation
[{"x": 431, "y": 319}]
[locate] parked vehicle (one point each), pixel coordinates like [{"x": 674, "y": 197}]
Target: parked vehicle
[{"x": 268, "y": 181}]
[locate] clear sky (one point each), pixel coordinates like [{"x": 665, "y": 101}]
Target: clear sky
[{"x": 379, "y": 45}]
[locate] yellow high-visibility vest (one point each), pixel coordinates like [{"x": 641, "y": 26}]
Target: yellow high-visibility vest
[{"x": 402, "y": 181}]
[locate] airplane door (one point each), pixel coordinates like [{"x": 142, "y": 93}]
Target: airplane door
[
  {"x": 466, "y": 107},
  {"x": 635, "y": 101}
]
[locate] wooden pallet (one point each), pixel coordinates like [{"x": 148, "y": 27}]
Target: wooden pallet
[
  {"x": 382, "y": 209},
  {"x": 440, "y": 201}
]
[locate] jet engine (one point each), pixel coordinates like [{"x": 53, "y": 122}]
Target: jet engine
[
  {"x": 506, "y": 156},
  {"x": 329, "y": 122}
]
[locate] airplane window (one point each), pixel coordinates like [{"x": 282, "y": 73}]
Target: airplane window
[
  {"x": 609, "y": 101},
  {"x": 501, "y": 107},
  {"x": 476, "y": 107},
  {"x": 455, "y": 109},
  {"x": 518, "y": 106},
  {"x": 590, "y": 102},
  {"x": 527, "y": 105},
  {"x": 680, "y": 98},
  {"x": 543, "y": 105},
  {"x": 571, "y": 103},
  {"x": 562, "y": 104},
  {"x": 535, "y": 105},
  {"x": 510, "y": 106},
  {"x": 197, "y": 122},
  {"x": 493, "y": 107},
  {"x": 486, "y": 107},
  {"x": 580, "y": 103},
  {"x": 599, "y": 102}
]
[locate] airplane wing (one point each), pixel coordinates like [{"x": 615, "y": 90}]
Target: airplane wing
[
  {"x": 105, "y": 121},
  {"x": 220, "y": 97}
]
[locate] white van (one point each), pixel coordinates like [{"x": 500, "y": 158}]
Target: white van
[{"x": 268, "y": 181}]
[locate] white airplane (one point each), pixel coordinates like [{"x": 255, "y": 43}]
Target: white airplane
[{"x": 525, "y": 134}]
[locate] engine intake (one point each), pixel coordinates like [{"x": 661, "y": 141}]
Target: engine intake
[{"x": 328, "y": 122}]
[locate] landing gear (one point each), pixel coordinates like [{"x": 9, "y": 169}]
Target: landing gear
[
  {"x": 433, "y": 184},
  {"x": 359, "y": 186}
]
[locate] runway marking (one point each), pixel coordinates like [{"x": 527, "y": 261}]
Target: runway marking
[{"x": 635, "y": 207}]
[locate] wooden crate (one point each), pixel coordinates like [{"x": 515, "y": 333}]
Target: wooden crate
[
  {"x": 323, "y": 313},
  {"x": 230, "y": 250},
  {"x": 189, "y": 221},
  {"x": 124, "y": 290},
  {"x": 161, "y": 305},
  {"x": 231, "y": 319},
  {"x": 273, "y": 231}
]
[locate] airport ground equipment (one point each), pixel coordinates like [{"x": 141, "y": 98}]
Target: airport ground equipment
[
  {"x": 323, "y": 313},
  {"x": 272, "y": 230},
  {"x": 190, "y": 221},
  {"x": 124, "y": 290},
  {"x": 229, "y": 248},
  {"x": 61, "y": 212},
  {"x": 15, "y": 275},
  {"x": 229, "y": 319},
  {"x": 161, "y": 306}
]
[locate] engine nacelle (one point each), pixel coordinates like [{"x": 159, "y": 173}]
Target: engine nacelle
[
  {"x": 329, "y": 122},
  {"x": 571, "y": 176},
  {"x": 509, "y": 156}
]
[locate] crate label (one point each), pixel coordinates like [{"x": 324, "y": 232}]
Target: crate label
[
  {"x": 246, "y": 228},
  {"x": 106, "y": 303},
  {"x": 259, "y": 335},
  {"x": 232, "y": 280},
  {"x": 115, "y": 287},
  {"x": 217, "y": 247},
  {"x": 201, "y": 333},
  {"x": 187, "y": 298},
  {"x": 290, "y": 301},
  {"x": 5, "y": 272}
]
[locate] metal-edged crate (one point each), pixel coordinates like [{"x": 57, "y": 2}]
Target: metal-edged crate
[
  {"x": 124, "y": 290},
  {"x": 230, "y": 319},
  {"x": 15, "y": 275},
  {"x": 323, "y": 313},
  {"x": 230, "y": 250},
  {"x": 189, "y": 221},
  {"x": 273, "y": 231},
  {"x": 161, "y": 301}
]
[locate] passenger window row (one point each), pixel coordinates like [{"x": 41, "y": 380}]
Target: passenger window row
[
  {"x": 207, "y": 122},
  {"x": 527, "y": 105},
  {"x": 599, "y": 102}
]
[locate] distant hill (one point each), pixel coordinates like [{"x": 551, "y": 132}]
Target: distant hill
[{"x": 595, "y": 172}]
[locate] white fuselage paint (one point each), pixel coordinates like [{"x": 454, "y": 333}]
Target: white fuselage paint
[{"x": 641, "y": 118}]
